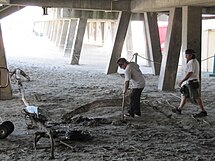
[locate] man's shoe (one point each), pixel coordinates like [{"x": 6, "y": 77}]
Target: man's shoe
[
  {"x": 176, "y": 110},
  {"x": 128, "y": 115},
  {"x": 201, "y": 114}
]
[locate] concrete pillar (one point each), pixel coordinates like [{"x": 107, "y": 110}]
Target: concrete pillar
[
  {"x": 6, "y": 92},
  {"x": 153, "y": 40},
  {"x": 55, "y": 31},
  {"x": 59, "y": 30},
  {"x": 171, "y": 53},
  {"x": 98, "y": 32},
  {"x": 41, "y": 28},
  {"x": 70, "y": 37},
  {"x": 149, "y": 63},
  {"x": 88, "y": 31},
  {"x": 94, "y": 26},
  {"x": 78, "y": 41},
  {"x": 192, "y": 31},
  {"x": 51, "y": 28},
  {"x": 129, "y": 42},
  {"x": 91, "y": 33},
  {"x": 113, "y": 30},
  {"x": 102, "y": 32},
  {"x": 38, "y": 28},
  {"x": 62, "y": 39},
  {"x": 58, "y": 12},
  {"x": 66, "y": 12},
  {"x": 124, "y": 19},
  {"x": 46, "y": 27}
]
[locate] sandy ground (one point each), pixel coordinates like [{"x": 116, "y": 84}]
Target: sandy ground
[{"x": 58, "y": 88}]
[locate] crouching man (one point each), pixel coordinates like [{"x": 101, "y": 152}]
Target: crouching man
[{"x": 134, "y": 75}]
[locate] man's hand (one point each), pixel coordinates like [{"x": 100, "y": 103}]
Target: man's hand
[
  {"x": 126, "y": 85},
  {"x": 188, "y": 75},
  {"x": 122, "y": 75},
  {"x": 180, "y": 83}
]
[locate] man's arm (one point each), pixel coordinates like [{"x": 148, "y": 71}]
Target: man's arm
[
  {"x": 188, "y": 75},
  {"x": 126, "y": 85}
]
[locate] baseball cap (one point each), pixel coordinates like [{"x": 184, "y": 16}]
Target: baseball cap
[{"x": 190, "y": 51}]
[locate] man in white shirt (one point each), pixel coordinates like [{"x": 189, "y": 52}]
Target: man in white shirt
[
  {"x": 134, "y": 75},
  {"x": 190, "y": 84}
]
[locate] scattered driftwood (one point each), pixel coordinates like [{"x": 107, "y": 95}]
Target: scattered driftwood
[
  {"x": 157, "y": 106},
  {"x": 62, "y": 142},
  {"x": 200, "y": 120}
]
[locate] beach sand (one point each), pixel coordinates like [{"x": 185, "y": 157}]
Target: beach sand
[{"x": 58, "y": 88}]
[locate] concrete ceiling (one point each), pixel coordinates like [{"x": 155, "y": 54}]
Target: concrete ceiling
[
  {"x": 115, "y": 5},
  {"x": 162, "y": 5},
  {"x": 135, "y": 6}
]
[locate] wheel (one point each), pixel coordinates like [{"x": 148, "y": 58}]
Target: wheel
[
  {"x": 9, "y": 125},
  {"x": 3, "y": 132}
]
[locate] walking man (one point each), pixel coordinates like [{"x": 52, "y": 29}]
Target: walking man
[
  {"x": 134, "y": 75},
  {"x": 190, "y": 84}
]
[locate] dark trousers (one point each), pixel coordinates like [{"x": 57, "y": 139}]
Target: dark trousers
[{"x": 134, "y": 107}]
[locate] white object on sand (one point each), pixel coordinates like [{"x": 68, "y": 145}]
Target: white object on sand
[{"x": 32, "y": 109}]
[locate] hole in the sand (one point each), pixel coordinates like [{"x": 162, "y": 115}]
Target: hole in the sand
[{"x": 106, "y": 108}]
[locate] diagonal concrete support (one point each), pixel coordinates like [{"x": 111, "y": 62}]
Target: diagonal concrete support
[
  {"x": 103, "y": 32},
  {"x": 59, "y": 29},
  {"x": 192, "y": 30},
  {"x": 76, "y": 52},
  {"x": 153, "y": 40},
  {"x": 46, "y": 28},
  {"x": 63, "y": 33},
  {"x": 124, "y": 19},
  {"x": 51, "y": 28},
  {"x": 129, "y": 42},
  {"x": 5, "y": 93},
  {"x": 70, "y": 37},
  {"x": 171, "y": 53},
  {"x": 55, "y": 30}
]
